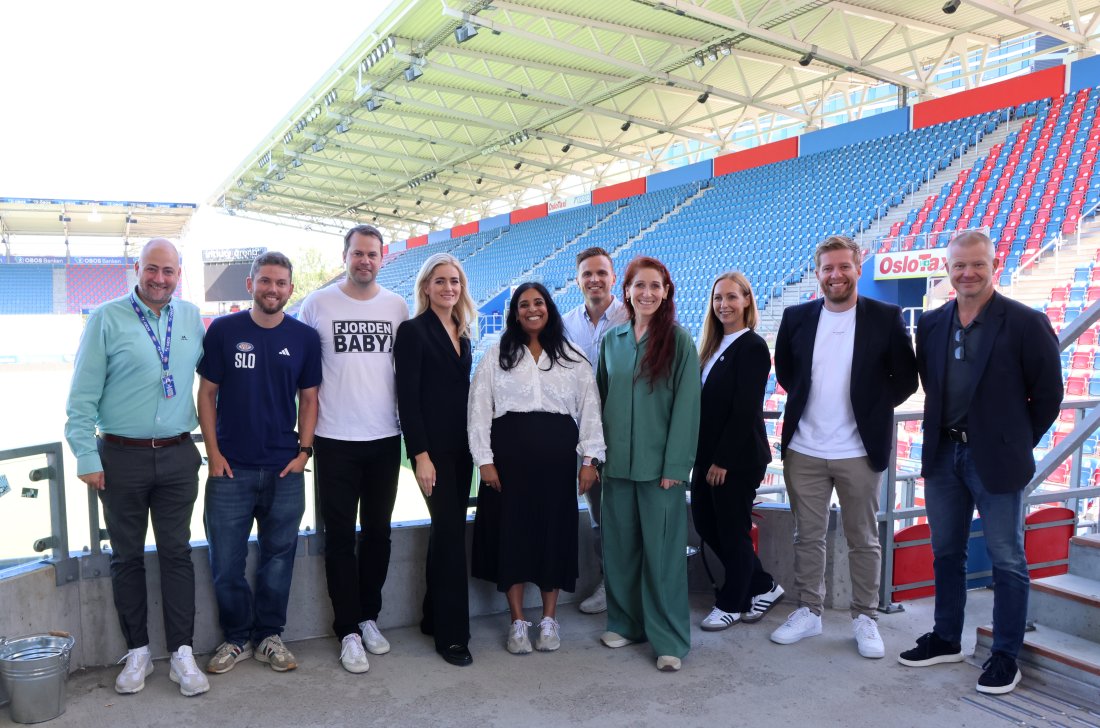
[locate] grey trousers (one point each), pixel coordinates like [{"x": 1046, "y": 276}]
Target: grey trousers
[
  {"x": 161, "y": 484},
  {"x": 810, "y": 483}
]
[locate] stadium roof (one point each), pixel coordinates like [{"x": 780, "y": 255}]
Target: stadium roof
[
  {"x": 446, "y": 111},
  {"x": 93, "y": 218}
]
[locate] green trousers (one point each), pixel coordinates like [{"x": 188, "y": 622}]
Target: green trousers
[{"x": 645, "y": 563}]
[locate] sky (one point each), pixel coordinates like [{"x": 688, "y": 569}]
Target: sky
[{"x": 151, "y": 101}]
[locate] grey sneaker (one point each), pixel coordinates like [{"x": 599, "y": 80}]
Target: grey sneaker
[
  {"x": 597, "y": 602},
  {"x": 352, "y": 655},
  {"x": 272, "y": 651},
  {"x": 139, "y": 665},
  {"x": 373, "y": 639},
  {"x": 226, "y": 656},
  {"x": 548, "y": 639},
  {"x": 185, "y": 673},
  {"x": 518, "y": 641}
]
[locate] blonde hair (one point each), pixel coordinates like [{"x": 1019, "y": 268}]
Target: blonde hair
[
  {"x": 712, "y": 327},
  {"x": 838, "y": 242},
  {"x": 464, "y": 312}
]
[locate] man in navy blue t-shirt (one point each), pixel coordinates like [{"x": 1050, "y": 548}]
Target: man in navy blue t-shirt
[{"x": 254, "y": 365}]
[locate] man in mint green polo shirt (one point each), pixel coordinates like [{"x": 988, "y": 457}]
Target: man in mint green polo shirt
[{"x": 130, "y": 417}]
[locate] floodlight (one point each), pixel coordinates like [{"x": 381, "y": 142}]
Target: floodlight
[
  {"x": 626, "y": 125},
  {"x": 951, "y": 6},
  {"x": 413, "y": 72},
  {"x": 703, "y": 97}
]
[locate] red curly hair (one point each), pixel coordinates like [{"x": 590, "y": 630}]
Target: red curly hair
[{"x": 661, "y": 349}]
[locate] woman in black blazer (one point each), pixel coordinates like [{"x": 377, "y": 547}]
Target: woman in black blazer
[
  {"x": 733, "y": 450},
  {"x": 432, "y": 358}
]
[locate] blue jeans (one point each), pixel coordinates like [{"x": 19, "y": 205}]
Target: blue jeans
[
  {"x": 952, "y": 489},
  {"x": 277, "y": 505}
]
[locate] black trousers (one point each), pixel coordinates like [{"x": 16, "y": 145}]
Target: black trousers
[
  {"x": 159, "y": 484},
  {"x": 447, "y": 599},
  {"x": 356, "y": 477},
  {"x": 723, "y": 519}
]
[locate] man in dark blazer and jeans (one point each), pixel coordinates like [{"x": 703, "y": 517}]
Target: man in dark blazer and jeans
[
  {"x": 846, "y": 363},
  {"x": 993, "y": 384}
]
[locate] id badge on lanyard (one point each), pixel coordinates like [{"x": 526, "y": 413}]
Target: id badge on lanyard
[{"x": 166, "y": 381}]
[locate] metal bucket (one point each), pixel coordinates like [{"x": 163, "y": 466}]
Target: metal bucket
[{"x": 34, "y": 671}]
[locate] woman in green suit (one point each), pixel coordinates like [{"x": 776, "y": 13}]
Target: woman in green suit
[{"x": 648, "y": 377}]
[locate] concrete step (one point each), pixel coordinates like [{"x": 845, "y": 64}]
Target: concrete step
[
  {"x": 1084, "y": 556},
  {"x": 1066, "y": 602},
  {"x": 1062, "y": 661}
]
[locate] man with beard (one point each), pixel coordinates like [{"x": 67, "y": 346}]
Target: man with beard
[
  {"x": 585, "y": 326},
  {"x": 846, "y": 363},
  {"x": 254, "y": 364},
  {"x": 132, "y": 380},
  {"x": 358, "y": 440}
]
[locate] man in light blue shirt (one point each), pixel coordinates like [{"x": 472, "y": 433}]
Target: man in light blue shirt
[
  {"x": 585, "y": 326},
  {"x": 130, "y": 416}
]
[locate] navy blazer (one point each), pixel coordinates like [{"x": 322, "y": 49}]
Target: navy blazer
[
  {"x": 1015, "y": 398},
  {"x": 433, "y": 384},
  {"x": 884, "y": 370},
  {"x": 731, "y": 419}
]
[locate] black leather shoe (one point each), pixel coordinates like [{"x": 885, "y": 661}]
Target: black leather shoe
[{"x": 456, "y": 655}]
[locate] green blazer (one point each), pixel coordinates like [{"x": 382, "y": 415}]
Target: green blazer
[{"x": 651, "y": 432}]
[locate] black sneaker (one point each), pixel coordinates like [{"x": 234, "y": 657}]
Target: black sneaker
[
  {"x": 931, "y": 650},
  {"x": 1000, "y": 675}
]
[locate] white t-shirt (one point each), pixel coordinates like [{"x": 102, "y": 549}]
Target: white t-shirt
[
  {"x": 358, "y": 394},
  {"x": 827, "y": 428},
  {"x": 726, "y": 341}
]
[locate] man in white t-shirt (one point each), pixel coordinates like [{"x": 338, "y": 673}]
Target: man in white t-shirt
[
  {"x": 358, "y": 440},
  {"x": 846, "y": 362},
  {"x": 585, "y": 326}
]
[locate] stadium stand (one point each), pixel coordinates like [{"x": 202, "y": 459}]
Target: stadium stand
[
  {"x": 87, "y": 286},
  {"x": 27, "y": 289}
]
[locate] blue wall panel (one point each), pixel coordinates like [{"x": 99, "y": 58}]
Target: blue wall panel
[
  {"x": 873, "y": 127},
  {"x": 491, "y": 223},
  {"x": 1084, "y": 73},
  {"x": 681, "y": 175},
  {"x": 439, "y": 236}
]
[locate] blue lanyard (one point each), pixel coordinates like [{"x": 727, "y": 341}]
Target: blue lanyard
[{"x": 163, "y": 354}]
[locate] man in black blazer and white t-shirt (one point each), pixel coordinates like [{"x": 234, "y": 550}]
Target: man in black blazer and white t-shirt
[{"x": 846, "y": 363}]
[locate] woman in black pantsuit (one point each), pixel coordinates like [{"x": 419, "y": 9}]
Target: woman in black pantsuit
[
  {"x": 432, "y": 358},
  {"x": 733, "y": 451}
]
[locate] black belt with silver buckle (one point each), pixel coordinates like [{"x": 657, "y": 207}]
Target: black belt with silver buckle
[
  {"x": 957, "y": 434},
  {"x": 152, "y": 442}
]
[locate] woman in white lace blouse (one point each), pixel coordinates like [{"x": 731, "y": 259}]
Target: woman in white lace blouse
[{"x": 533, "y": 408}]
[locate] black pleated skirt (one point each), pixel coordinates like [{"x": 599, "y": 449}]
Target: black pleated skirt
[{"x": 528, "y": 531}]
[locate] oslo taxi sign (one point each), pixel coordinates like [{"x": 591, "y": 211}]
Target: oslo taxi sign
[{"x": 911, "y": 264}]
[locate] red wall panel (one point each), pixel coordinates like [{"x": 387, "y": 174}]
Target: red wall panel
[
  {"x": 416, "y": 242},
  {"x": 468, "y": 229},
  {"x": 527, "y": 213},
  {"x": 1039, "y": 85},
  {"x": 619, "y": 191},
  {"x": 756, "y": 157}
]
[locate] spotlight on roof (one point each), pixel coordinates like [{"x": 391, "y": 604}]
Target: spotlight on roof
[
  {"x": 712, "y": 55},
  {"x": 446, "y": 192},
  {"x": 725, "y": 49},
  {"x": 479, "y": 180},
  {"x": 418, "y": 203},
  {"x": 951, "y": 6},
  {"x": 465, "y": 31},
  {"x": 698, "y": 61},
  {"x": 703, "y": 97},
  {"x": 517, "y": 165},
  {"x": 566, "y": 148},
  {"x": 806, "y": 59},
  {"x": 395, "y": 211},
  {"x": 413, "y": 72},
  {"x": 626, "y": 125},
  {"x": 374, "y": 103}
]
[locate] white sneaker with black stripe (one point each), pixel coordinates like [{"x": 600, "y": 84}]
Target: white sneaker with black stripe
[
  {"x": 718, "y": 620},
  {"x": 762, "y": 604}
]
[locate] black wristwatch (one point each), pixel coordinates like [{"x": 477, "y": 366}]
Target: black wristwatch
[
  {"x": 594, "y": 462},
  {"x": 307, "y": 449}
]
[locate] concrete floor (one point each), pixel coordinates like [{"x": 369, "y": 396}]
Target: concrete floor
[{"x": 736, "y": 677}]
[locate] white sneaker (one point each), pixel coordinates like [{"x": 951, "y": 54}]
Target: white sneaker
[
  {"x": 184, "y": 672},
  {"x": 139, "y": 665},
  {"x": 548, "y": 639},
  {"x": 867, "y": 637},
  {"x": 519, "y": 643},
  {"x": 762, "y": 603},
  {"x": 718, "y": 620},
  {"x": 597, "y": 602},
  {"x": 375, "y": 642},
  {"x": 352, "y": 656},
  {"x": 801, "y": 623}
]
